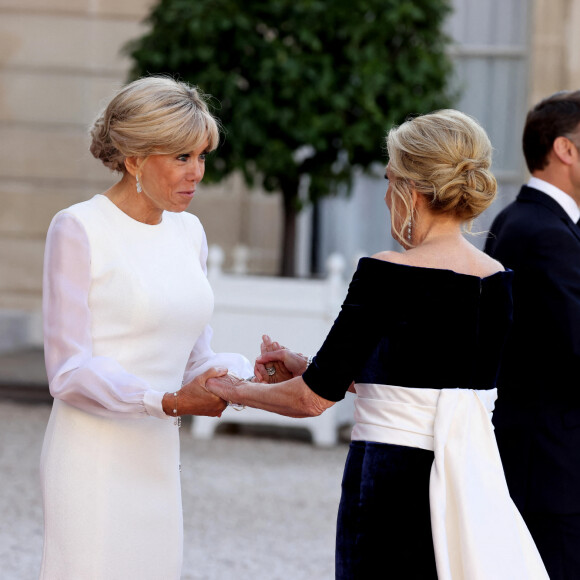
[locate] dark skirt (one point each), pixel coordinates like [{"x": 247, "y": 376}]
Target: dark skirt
[{"x": 384, "y": 522}]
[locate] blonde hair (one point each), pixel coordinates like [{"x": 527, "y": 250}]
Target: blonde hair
[
  {"x": 152, "y": 115},
  {"x": 446, "y": 157}
]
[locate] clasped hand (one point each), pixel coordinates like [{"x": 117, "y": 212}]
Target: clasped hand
[
  {"x": 274, "y": 365},
  {"x": 209, "y": 393}
]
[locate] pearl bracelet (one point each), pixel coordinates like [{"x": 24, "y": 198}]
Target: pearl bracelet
[{"x": 177, "y": 419}]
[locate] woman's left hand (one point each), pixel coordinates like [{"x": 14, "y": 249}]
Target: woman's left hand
[{"x": 282, "y": 364}]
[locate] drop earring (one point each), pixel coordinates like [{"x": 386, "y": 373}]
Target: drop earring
[
  {"x": 410, "y": 230},
  {"x": 139, "y": 188}
]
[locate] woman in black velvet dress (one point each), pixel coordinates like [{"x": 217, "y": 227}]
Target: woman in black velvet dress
[{"x": 420, "y": 334}]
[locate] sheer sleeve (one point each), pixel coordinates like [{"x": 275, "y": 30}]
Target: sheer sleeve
[
  {"x": 202, "y": 356},
  {"x": 351, "y": 339},
  {"x": 98, "y": 385}
]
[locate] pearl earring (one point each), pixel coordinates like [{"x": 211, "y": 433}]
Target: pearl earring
[
  {"x": 409, "y": 231},
  {"x": 139, "y": 188}
]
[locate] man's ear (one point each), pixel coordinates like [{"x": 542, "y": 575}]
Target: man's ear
[{"x": 565, "y": 150}]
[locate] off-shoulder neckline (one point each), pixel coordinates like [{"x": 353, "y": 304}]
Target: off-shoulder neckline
[{"x": 444, "y": 270}]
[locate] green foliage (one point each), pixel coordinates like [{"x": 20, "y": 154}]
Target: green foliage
[{"x": 330, "y": 74}]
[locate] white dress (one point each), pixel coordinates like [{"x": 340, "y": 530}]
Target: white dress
[{"x": 126, "y": 311}]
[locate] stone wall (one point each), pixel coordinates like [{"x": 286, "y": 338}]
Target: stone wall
[
  {"x": 60, "y": 62},
  {"x": 555, "y": 59}
]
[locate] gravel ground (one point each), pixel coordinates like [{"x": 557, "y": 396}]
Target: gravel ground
[{"x": 258, "y": 505}]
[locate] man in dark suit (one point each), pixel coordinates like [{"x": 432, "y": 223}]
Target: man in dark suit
[{"x": 537, "y": 415}]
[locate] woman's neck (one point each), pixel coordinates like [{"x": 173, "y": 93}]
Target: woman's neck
[
  {"x": 136, "y": 205},
  {"x": 435, "y": 229}
]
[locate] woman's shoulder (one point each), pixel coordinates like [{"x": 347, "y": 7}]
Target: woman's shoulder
[
  {"x": 389, "y": 256},
  {"x": 477, "y": 264},
  {"x": 392, "y": 257},
  {"x": 189, "y": 224},
  {"x": 66, "y": 228},
  {"x": 82, "y": 212},
  {"x": 189, "y": 228},
  {"x": 75, "y": 215},
  {"x": 385, "y": 265},
  {"x": 390, "y": 260},
  {"x": 81, "y": 207}
]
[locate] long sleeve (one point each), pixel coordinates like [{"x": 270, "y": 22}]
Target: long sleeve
[
  {"x": 98, "y": 385},
  {"x": 202, "y": 356}
]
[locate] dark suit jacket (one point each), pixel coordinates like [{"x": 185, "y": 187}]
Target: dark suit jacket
[{"x": 537, "y": 415}]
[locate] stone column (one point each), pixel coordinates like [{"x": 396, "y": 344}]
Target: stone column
[{"x": 555, "y": 45}]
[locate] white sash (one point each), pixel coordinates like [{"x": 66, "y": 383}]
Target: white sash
[{"x": 478, "y": 533}]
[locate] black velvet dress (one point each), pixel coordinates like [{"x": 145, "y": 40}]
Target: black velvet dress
[{"x": 409, "y": 327}]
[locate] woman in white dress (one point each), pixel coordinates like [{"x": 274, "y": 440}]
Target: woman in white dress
[{"x": 126, "y": 309}]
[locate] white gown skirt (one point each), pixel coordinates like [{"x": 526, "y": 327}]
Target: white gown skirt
[{"x": 112, "y": 498}]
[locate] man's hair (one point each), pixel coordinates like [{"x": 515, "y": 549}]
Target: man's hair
[{"x": 556, "y": 116}]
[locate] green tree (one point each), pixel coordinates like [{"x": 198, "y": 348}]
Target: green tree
[{"x": 302, "y": 87}]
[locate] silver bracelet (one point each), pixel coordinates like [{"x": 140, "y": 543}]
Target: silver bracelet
[{"x": 237, "y": 406}]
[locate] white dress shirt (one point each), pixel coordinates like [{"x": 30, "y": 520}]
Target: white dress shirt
[{"x": 561, "y": 197}]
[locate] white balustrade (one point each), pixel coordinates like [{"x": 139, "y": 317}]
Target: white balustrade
[{"x": 298, "y": 313}]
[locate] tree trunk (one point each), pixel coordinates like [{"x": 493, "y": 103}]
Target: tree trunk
[{"x": 289, "y": 194}]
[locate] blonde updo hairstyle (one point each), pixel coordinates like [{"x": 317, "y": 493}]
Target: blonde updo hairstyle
[
  {"x": 446, "y": 157},
  {"x": 152, "y": 115}
]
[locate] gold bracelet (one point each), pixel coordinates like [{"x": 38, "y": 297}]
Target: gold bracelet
[{"x": 177, "y": 419}]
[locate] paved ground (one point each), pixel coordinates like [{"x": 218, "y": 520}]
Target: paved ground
[
  {"x": 258, "y": 505},
  {"x": 23, "y": 376}
]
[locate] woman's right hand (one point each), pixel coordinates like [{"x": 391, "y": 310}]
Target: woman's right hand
[{"x": 194, "y": 399}]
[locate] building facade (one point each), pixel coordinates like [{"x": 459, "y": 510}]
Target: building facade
[{"x": 60, "y": 61}]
